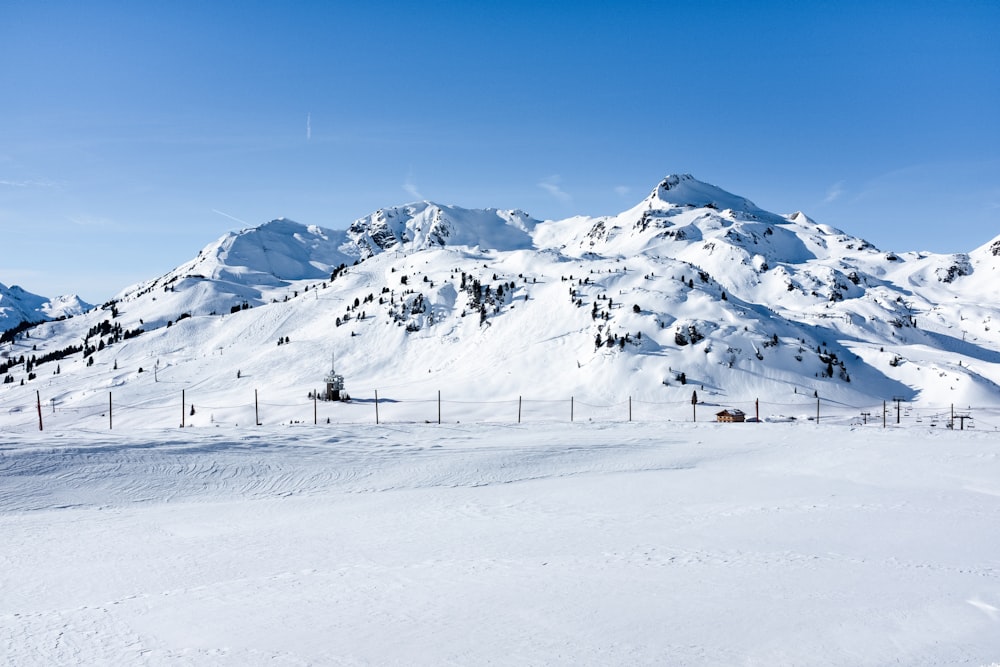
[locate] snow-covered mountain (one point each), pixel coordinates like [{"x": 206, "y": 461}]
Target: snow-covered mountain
[
  {"x": 425, "y": 225},
  {"x": 691, "y": 288},
  {"x": 242, "y": 269},
  {"x": 17, "y": 306}
]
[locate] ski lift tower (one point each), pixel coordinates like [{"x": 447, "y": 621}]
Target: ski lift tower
[{"x": 334, "y": 382}]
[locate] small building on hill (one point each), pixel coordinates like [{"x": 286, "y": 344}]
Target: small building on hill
[{"x": 730, "y": 416}]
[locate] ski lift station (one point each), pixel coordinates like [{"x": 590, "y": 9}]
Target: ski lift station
[{"x": 334, "y": 383}]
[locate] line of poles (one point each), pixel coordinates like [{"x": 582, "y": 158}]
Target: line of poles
[{"x": 572, "y": 410}]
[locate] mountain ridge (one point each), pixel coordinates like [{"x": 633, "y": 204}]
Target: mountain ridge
[
  {"x": 693, "y": 285},
  {"x": 19, "y": 306}
]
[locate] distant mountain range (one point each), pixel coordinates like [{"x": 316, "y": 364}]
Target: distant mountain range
[
  {"x": 692, "y": 285},
  {"x": 18, "y": 306}
]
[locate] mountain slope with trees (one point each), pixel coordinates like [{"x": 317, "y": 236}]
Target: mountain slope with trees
[{"x": 693, "y": 288}]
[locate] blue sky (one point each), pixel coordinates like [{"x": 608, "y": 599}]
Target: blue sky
[{"x": 132, "y": 134}]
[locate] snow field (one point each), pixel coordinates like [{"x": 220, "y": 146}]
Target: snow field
[{"x": 469, "y": 544}]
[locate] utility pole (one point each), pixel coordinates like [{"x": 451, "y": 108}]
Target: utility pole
[
  {"x": 883, "y": 413},
  {"x": 182, "y": 406},
  {"x": 898, "y": 401},
  {"x": 38, "y": 398},
  {"x": 865, "y": 416}
]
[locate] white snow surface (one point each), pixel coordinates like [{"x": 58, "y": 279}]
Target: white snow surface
[{"x": 572, "y": 544}]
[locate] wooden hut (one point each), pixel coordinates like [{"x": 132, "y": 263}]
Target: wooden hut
[{"x": 730, "y": 416}]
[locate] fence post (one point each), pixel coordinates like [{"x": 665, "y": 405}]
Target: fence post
[
  {"x": 376, "y": 406},
  {"x": 38, "y": 399}
]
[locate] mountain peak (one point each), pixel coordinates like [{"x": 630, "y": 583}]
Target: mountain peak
[
  {"x": 18, "y": 305},
  {"x": 686, "y": 190},
  {"x": 280, "y": 249},
  {"x": 422, "y": 225}
]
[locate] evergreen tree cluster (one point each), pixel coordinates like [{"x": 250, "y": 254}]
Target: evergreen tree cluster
[
  {"x": 10, "y": 335},
  {"x": 485, "y": 299},
  {"x": 32, "y": 362}
]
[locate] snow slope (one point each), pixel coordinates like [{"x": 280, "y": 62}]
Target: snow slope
[{"x": 471, "y": 544}]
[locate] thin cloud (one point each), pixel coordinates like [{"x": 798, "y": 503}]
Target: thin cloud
[
  {"x": 411, "y": 188},
  {"x": 26, "y": 183},
  {"x": 309, "y": 129},
  {"x": 622, "y": 190},
  {"x": 232, "y": 217},
  {"x": 834, "y": 192},
  {"x": 92, "y": 221},
  {"x": 551, "y": 185}
]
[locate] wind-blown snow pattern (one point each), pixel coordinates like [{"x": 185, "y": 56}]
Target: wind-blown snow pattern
[{"x": 693, "y": 288}]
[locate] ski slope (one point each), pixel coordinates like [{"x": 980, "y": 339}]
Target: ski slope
[{"x": 583, "y": 544}]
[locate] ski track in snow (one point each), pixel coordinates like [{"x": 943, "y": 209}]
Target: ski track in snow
[{"x": 551, "y": 544}]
